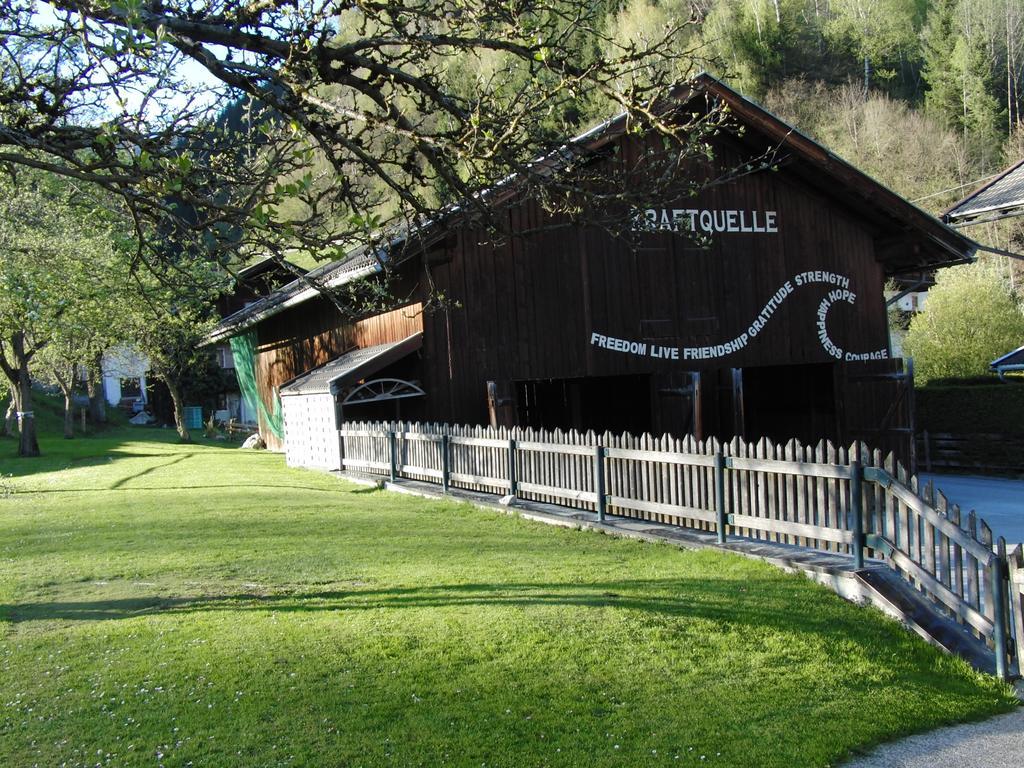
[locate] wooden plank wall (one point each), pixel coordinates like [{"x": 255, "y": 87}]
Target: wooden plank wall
[
  {"x": 312, "y": 334},
  {"x": 524, "y": 307}
]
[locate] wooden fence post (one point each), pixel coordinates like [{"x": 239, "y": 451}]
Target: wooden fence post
[
  {"x": 720, "y": 495},
  {"x": 445, "y": 464},
  {"x": 392, "y": 450},
  {"x": 1000, "y": 575},
  {"x": 857, "y": 506},
  {"x": 512, "y": 482},
  {"x": 1015, "y": 565},
  {"x": 599, "y": 454}
]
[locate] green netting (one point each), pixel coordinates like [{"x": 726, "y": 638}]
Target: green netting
[{"x": 243, "y": 348}]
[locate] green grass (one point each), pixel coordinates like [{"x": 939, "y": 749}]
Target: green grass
[{"x": 166, "y": 604}]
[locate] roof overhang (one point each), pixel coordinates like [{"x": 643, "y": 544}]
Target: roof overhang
[
  {"x": 351, "y": 367},
  {"x": 917, "y": 239},
  {"x": 294, "y": 293}
]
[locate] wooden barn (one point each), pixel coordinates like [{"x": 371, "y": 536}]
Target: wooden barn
[{"x": 773, "y": 324}]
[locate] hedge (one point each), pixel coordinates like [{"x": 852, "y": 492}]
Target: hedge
[{"x": 996, "y": 409}]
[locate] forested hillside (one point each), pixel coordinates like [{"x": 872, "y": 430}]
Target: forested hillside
[{"x": 923, "y": 94}]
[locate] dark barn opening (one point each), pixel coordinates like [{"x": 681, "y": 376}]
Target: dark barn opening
[
  {"x": 600, "y": 403},
  {"x": 781, "y": 402}
]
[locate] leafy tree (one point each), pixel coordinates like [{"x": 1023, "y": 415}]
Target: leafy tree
[
  {"x": 884, "y": 33},
  {"x": 57, "y": 284},
  {"x": 751, "y": 39},
  {"x": 971, "y": 318},
  {"x": 979, "y": 118},
  {"x": 169, "y": 336},
  {"x": 37, "y": 239},
  {"x": 57, "y": 363},
  {"x": 407, "y": 105}
]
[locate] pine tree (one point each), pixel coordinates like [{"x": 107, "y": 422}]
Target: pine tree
[{"x": 943, "y": 95}]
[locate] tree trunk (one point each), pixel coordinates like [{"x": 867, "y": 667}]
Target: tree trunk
[
  {"x": 67, "y": 388},
  {"x": 94, "y": 388},
  {"x": 179, "y": 410},
  {"x": 69, "y": 416},
  {"x": 16, "y": 371},
  {"x": 28, "y": 445}
]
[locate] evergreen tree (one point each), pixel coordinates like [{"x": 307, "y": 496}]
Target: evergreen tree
[
  {"x": 980, "y": 118},
  {"x": 941, "y": 32}
]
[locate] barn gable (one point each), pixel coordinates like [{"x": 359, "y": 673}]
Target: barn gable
[{"x": 754, "y": 308}]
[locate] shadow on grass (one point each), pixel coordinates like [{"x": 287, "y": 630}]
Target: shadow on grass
[
  {"x": 176, "y": 487},
  {"x": 101, "y": 448},
  {"x": 760, "y": 602},
  {"x": 153, "y": 468}
]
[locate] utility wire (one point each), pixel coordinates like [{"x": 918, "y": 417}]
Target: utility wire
[{"x": 951, "y": 189}]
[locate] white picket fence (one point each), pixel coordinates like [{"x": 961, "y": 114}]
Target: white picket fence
[{"x": 850, "y": 500}]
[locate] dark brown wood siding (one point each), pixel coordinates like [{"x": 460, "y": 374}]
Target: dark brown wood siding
[
  {"x": 528, "y": 307},
  {"x": 313, "y": 333}
]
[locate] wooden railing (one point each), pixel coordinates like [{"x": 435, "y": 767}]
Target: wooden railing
[{"x": 849, "y": 501}]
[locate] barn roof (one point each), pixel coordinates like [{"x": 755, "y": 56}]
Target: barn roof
[
  {"x": 356, "y": 264},
  {"x": 999, "y": 198},
  {"x": 915, "y": 240},
  {"x": 332, "y": 376}
]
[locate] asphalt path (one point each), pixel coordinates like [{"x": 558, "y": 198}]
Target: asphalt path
[{"x": 999, "y": 501}]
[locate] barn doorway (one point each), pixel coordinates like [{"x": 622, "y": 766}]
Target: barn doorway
[
  {"x": 601, "y": 403},
  {"x": 786, "y": 401}
]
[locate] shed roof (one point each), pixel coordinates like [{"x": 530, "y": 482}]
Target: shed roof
[
  {"x": 919, "y": 240},
  {"x": 999, "y": 198},
  {"x": 1014, "y": 359},
  {"x": 350, "y": 367}
]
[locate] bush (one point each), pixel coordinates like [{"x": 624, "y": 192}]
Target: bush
[
  {"x": 979, "y": 409},
  {"x": 972, "y": 318}
]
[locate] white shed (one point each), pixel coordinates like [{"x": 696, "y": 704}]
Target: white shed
[{"x": 313, "y": 404}]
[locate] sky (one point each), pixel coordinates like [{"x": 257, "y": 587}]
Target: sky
[{"x": 190, "y": 70}]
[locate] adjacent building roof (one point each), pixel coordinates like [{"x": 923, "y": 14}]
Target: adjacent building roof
[
  {"x": 332, "y": 377},
  {"x": 999, "y": 198},
  {"x": 356, "y": 264},
  {"x": 1012, "y": 361},
  {"x": 919, "y": 241}
]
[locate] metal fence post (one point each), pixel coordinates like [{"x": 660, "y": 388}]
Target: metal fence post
[
  {"x": 1000, "y": 574},
  {"x": 720, "y": 495},
  {"x": 513, "y": 483},
  {"x": 393, "y": 450},
  {"x": 857, "y": 503},
  {"x": 602, "y": 502},
  {"x": 445, "y": 464}
]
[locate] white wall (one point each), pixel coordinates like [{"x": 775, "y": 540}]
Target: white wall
[{"x": 311, "y": 431}]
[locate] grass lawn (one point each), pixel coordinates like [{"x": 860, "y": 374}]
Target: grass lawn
[{"x": 198, "y": 605}]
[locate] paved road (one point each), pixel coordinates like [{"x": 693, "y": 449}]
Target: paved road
[
  {"x": 999, "y": 501},
  {"x": 994, "y": 743}
]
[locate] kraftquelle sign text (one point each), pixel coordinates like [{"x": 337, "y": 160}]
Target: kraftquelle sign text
[
  {"x": 839, "y": 294},
  {"x": 704, "y": 220}
]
